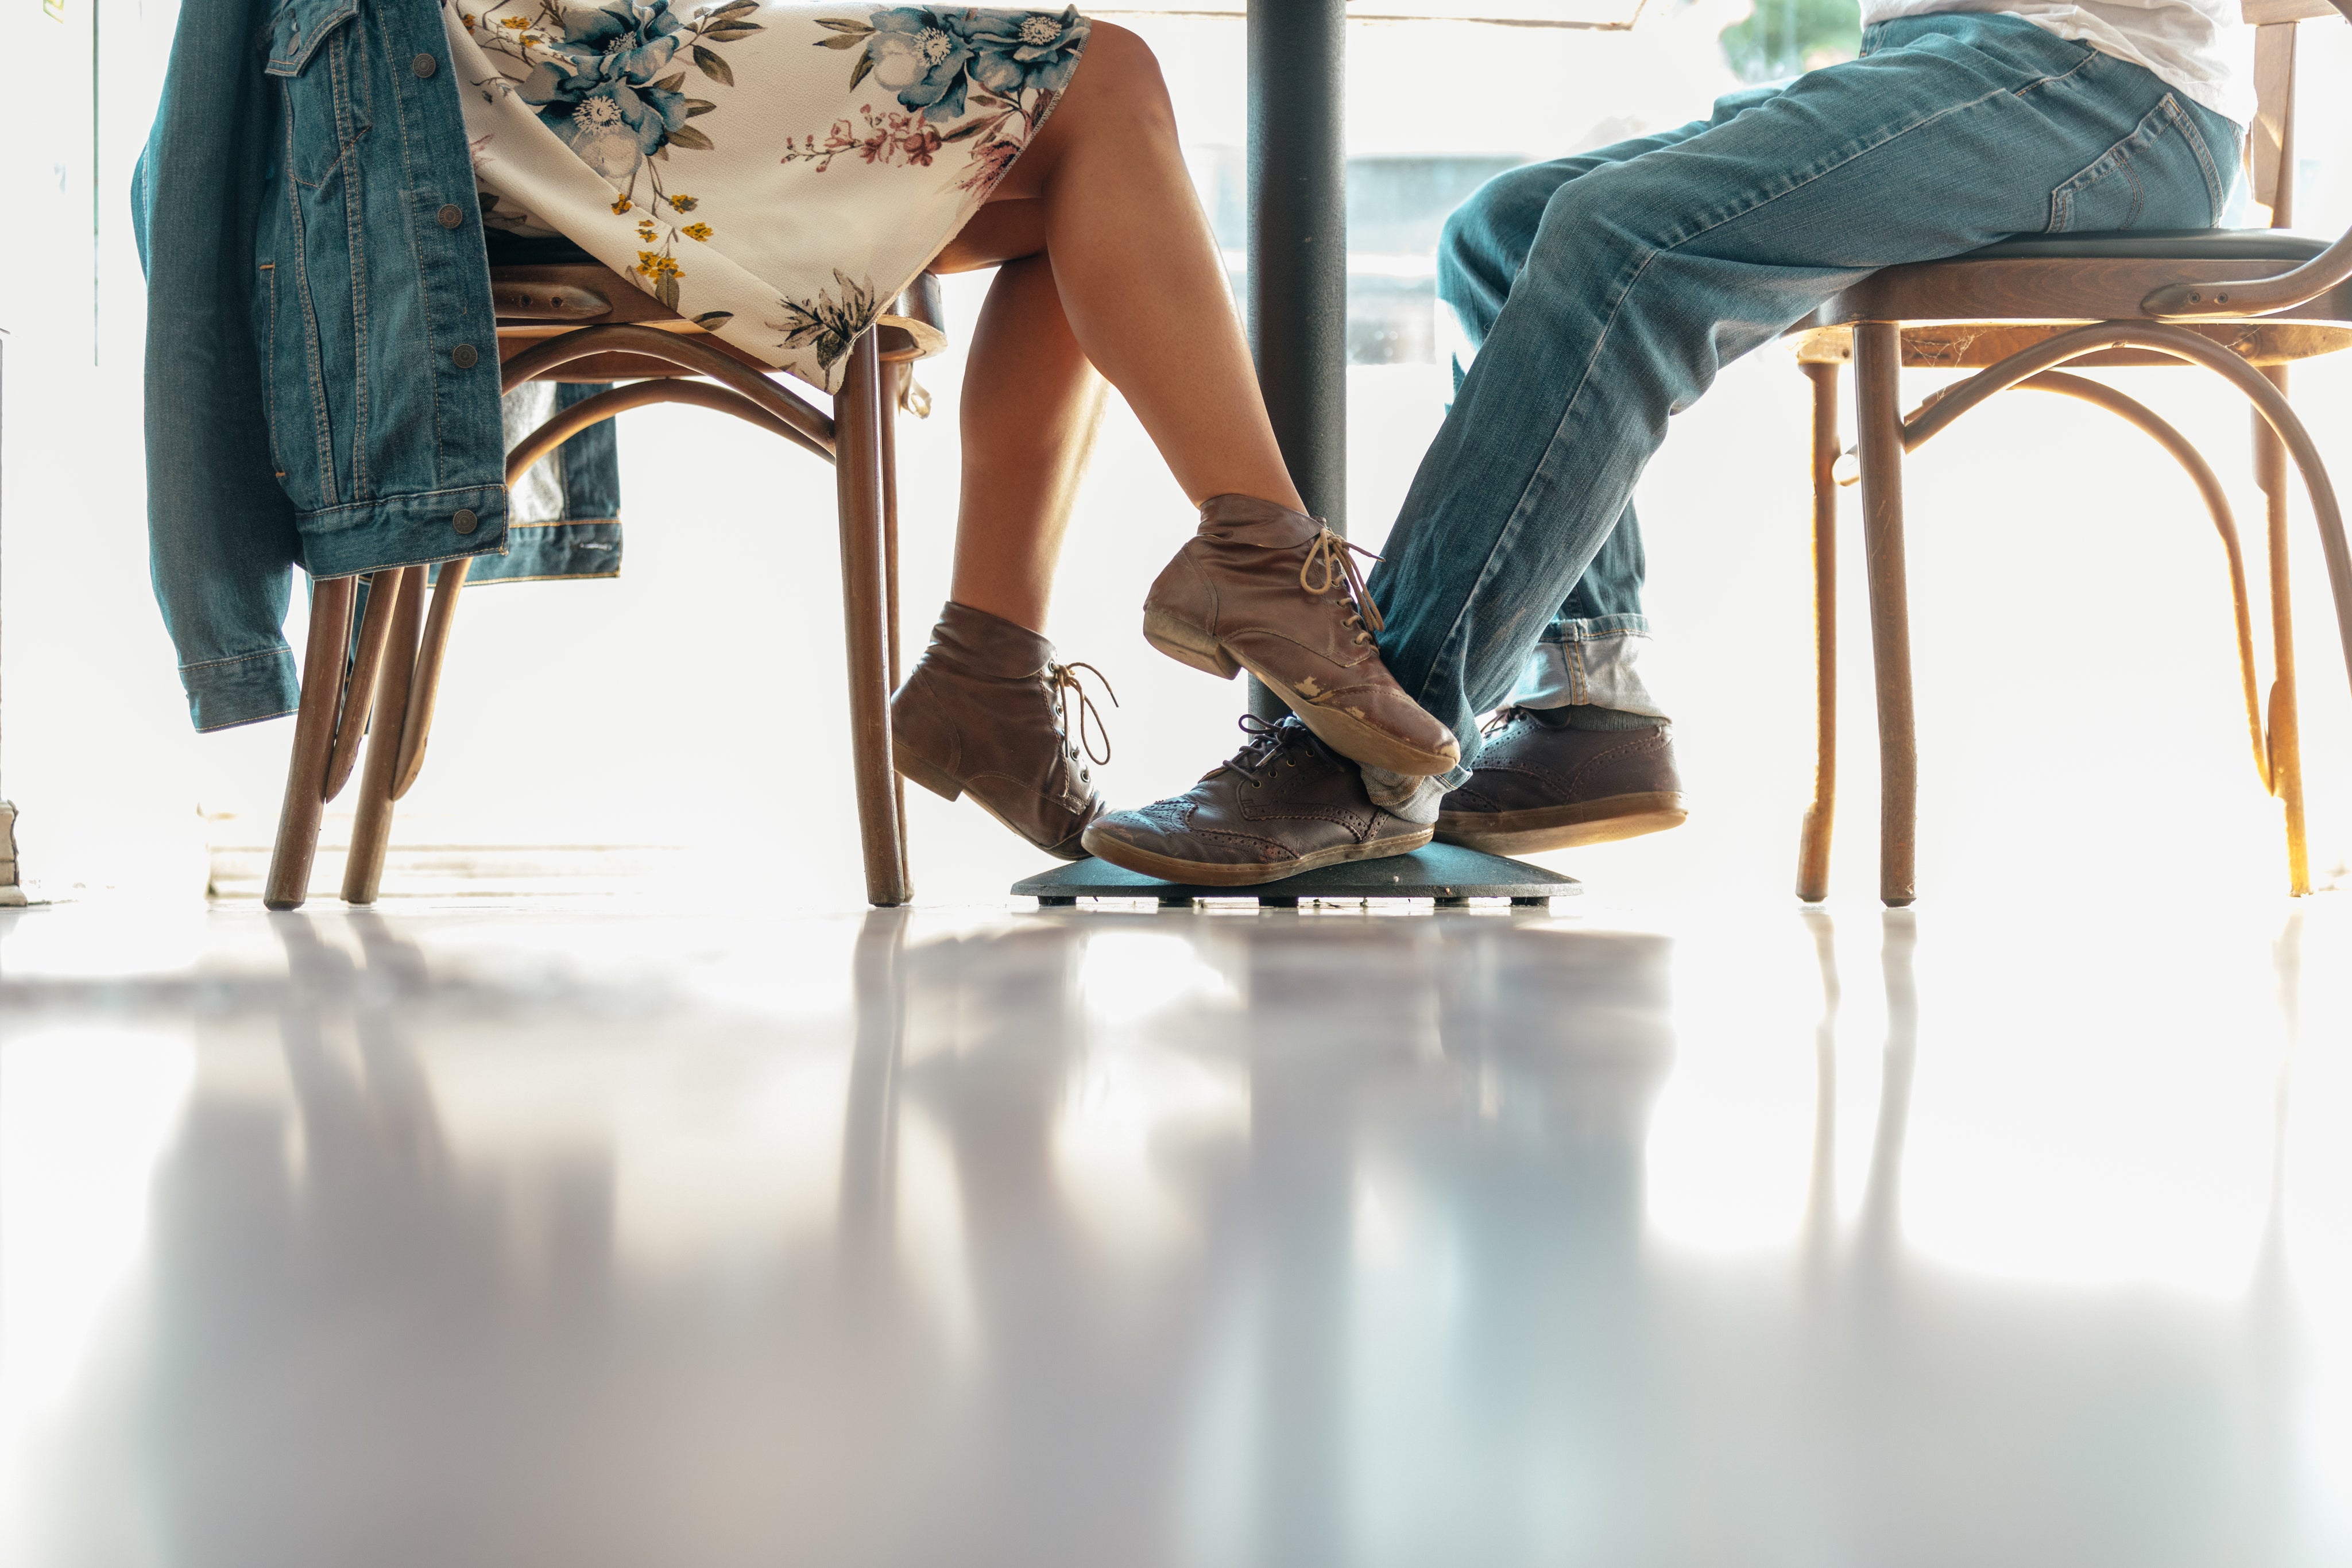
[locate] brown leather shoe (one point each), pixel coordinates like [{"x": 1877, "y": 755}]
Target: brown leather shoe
[
  {"x": 1286, "y": 803},
  {"x": 988, "y": 710},
  {"x": 1270, "y": 590},
  {"x": 1539, "y": 787}
]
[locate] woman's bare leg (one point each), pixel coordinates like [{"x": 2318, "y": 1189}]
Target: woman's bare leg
[
  {"x": 1031, "y": 404},
  {"x": 1102, "y": 194}
]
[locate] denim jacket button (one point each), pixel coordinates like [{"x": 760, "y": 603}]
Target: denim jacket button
[
  {"x": 462, "y": 356},
  {"x": 424, "y": 64},
  {"x": 451, "y": 215},
  {"x": 465, "y": 520}
]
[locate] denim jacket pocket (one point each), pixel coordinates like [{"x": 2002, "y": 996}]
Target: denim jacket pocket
[
  {"x": 298, "y": 27},
  {"x": 2160, "y": 176},
  {"x": 323, "y": 97}
]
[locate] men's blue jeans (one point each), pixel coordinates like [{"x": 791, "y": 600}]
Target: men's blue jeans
[{"x": 1603, "y": 292}]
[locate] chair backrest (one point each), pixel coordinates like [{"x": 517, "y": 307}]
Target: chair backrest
[
  {"x": 2270, "y": 140},
  {"x": 2270, "y": 164}
]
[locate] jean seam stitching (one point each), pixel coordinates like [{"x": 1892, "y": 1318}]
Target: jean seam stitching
[
  {"x": 322, "y": 436},
  {"x": 237, "y": 659},
  {"x": 354, "y": 238},
  {"x": 2214, "y": 193},
  {"x": 409, "y": 192}
]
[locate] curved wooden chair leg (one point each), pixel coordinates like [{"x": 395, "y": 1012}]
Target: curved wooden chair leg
[
  {"x": 2217, "y": 507},
  {"x": 372, "y": 828},
  {"x": 425, "y": 686},
  {"x": 2265, "y": 389},
  {"x": 857, "y": 471},
  {"x": 1878, "y": 364},
  {"x": 314, "y": 740},
  {"x": 895, "y": 377},
  {"x": 860, "y": 439},
  {"x": 358, "y": 694},
  {"x": 1814, "y": 846},
  {"x": 2285, "y": 723}
]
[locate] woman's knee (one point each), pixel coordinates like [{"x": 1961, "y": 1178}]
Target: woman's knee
[{"x": 1119, "y": 70}]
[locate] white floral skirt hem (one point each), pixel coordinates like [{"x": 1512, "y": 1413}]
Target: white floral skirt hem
[{"x": 774, "y": 171}]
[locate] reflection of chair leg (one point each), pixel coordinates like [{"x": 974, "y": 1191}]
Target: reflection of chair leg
[
  {"x": 857, "y": 470},
  {"x": 1820, "y": 1206},
  {"x": 314, "y": 742},
  {"x": 1878, "y": 359},
  {"x": 2286, "y": 739},
  {"x": 1878, "y": 1227},
  {"x": 1813, "y": 848},
  {"x": 371, "y": 828},
  {"x": 869, "y": 1139}
]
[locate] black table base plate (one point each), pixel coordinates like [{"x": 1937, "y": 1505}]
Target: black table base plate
[{"x": 1447, "y": 872}]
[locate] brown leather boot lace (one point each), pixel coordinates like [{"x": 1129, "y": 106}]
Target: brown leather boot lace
[
  {"x": 1061, "y": 686},
  {"x": 1327, "y": 554}
]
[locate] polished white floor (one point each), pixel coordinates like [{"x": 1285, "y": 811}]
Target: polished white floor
[{"x": 548, "y": 1234}]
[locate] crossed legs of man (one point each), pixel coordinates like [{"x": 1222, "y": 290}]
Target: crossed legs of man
[{"x": 1645, "y": 269}]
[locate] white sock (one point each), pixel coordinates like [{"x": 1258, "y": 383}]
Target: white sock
[{"x": 1413, "y": 798}]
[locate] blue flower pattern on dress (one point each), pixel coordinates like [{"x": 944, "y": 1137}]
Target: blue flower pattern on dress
[
  {"x": 1018, "y": 53},
  {"x": 923, "y": 55},
  {"x": 961, "y": 74},
  {"x": 955, "y": 89}
]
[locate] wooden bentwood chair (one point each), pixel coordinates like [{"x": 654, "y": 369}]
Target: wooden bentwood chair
[
  {"x": 581, "y": 323},
  {"x": 2242, "y": 303}
]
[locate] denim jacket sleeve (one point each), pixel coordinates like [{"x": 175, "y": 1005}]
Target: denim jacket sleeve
[
  {"x": 221, "y": 535},
  {"x": 323, "y": 370}
]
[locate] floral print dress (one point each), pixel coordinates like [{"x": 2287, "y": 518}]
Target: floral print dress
[{"x": 776, "y": 170}]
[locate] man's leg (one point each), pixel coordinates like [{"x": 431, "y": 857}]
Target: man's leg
[
  {"x": 1588, "y": 656},
  {"x": 1646, "y": 277}
]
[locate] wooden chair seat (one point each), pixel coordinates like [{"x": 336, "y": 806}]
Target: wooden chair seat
[
  {"x": 1977, "y": 309},
  {"x": 537, "y": 301}
]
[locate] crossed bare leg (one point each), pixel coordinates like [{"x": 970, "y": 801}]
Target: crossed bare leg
[{"x": 1107, "y": 270}]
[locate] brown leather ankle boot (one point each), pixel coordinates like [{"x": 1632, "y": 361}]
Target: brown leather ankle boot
[
  {"x": 988, "y": 710},
  {"x": 1264, "y": 589}
]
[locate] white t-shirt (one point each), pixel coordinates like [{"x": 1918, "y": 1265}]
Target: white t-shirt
[{"x": 2201, "y": 47}]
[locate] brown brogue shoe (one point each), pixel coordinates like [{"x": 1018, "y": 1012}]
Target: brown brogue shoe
[
  {"x": 1286, "y": 803},
  {"x": 1264, "y": 589},
  {"x": 1539, "y": 786},
  {"x": 988, "y": 710}
]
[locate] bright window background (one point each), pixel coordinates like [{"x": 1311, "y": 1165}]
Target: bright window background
[{"x": 2080, "y": 722}]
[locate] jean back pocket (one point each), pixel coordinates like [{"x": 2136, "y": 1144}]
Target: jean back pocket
[{"x": 2161, "y": 176}]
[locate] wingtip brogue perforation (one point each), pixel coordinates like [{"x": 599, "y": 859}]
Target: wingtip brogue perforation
[{"x": 1285, "y": 803}]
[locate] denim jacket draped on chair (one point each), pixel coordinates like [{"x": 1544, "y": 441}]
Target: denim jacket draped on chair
[{"x": 321, "y": 368}]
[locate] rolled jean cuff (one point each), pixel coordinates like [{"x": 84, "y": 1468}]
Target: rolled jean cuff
[{"x": 1594, "y": 663}]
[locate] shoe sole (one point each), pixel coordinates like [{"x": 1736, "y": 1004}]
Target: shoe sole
[
  {"x": 1563, "y": 827},
  {"x": 940, "y": 782},
  {"x": 1198, "y": 874},
  {"x": 1345, "y": 733}
]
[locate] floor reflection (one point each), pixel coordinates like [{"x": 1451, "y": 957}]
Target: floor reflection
[{"x": 1094, "y": 1238}]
